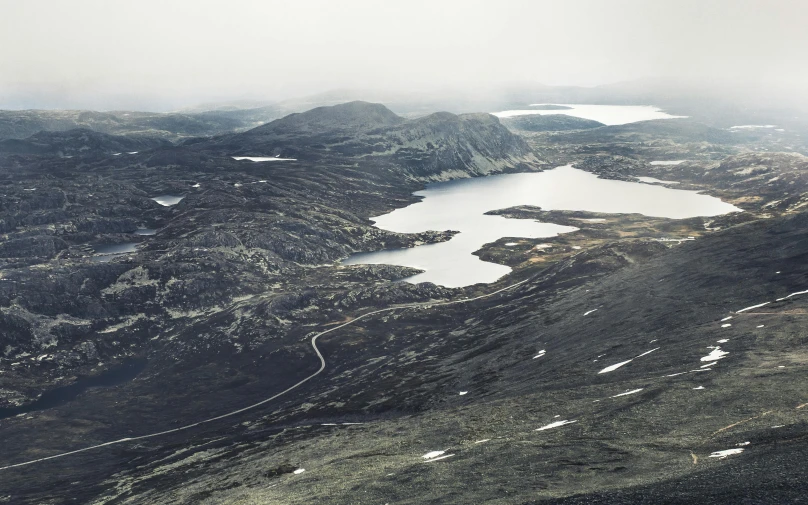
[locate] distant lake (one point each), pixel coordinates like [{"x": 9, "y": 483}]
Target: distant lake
[
  {"x": 105, "y": 253},
  {"x": 168, "y": 200},
  {"x": 262, "y": 158},
  {"x": 668, "y": 162},
  {"x": 606, "y": 114},
  {"x": 651, "y": 180},
  {"x": 461, "y": 205}
]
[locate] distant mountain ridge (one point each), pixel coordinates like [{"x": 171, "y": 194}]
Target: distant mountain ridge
[
  {"x": 79, "y": 141},
  {"x": 20, "y": 124}
]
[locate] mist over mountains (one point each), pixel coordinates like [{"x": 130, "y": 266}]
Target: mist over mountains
[{"x": 403, "y": 252}]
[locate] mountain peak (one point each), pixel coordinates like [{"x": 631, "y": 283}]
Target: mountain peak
[{"x": 356, "y": 115}]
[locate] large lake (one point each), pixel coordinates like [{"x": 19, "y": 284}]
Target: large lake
[
  {"x": 606, "y": 114},
  {"x": 461, "y": 205}
]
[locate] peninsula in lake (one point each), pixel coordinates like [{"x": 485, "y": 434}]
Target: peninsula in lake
[{"x": 306, "y": 253}]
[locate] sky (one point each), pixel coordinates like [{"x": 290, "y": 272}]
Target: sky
[{"x": 164, "y": 54}]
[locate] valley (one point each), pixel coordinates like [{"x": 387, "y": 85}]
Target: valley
[{"x": 638, "y": 356}]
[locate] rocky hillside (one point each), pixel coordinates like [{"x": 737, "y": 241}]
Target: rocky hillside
[
  {"x": 580, "y": 386},
  {"x": 677, "y": 130},
  {"x": 549, "y": 123},
  {"x": 436, "y": 147},
  {"x": 79, "y": 142},
  {"x": 351, "y": 117},
  {"x": 444, "y": 146}
]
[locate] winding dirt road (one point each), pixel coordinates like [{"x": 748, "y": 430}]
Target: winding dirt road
[{"x": 277, "y": 395}]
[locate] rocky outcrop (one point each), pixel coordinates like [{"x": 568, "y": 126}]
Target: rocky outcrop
[{"x": 444, "y": 146}]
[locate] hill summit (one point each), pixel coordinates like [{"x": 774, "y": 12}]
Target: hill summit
[{"x": 357, "y": 116}]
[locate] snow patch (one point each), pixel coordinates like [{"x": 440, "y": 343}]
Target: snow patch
[
  {"x": 433, "y": 454},
  {"x": 647, "y": 352},
  {"x": 618, "y": 365},
  {"x": 614, "y": 367},
  {"x": 628, "y": 393},
  {"x": 715, "y": 355},
  {"x": 555, "y": 425},
  {"x": 724, "y": 454},
  {"x": 438, "y": 459}
]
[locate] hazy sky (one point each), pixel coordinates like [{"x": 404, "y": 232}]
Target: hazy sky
[{"x": 170, "y": 53}]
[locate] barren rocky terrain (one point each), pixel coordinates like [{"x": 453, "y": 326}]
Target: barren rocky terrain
[{"x": 636, "y": 360}]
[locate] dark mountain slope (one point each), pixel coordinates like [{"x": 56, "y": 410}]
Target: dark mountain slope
[
  {"x": 658, "y": 435},
  {"x": 642, "y": 427},
  {"x": 78, "y": 142}
]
